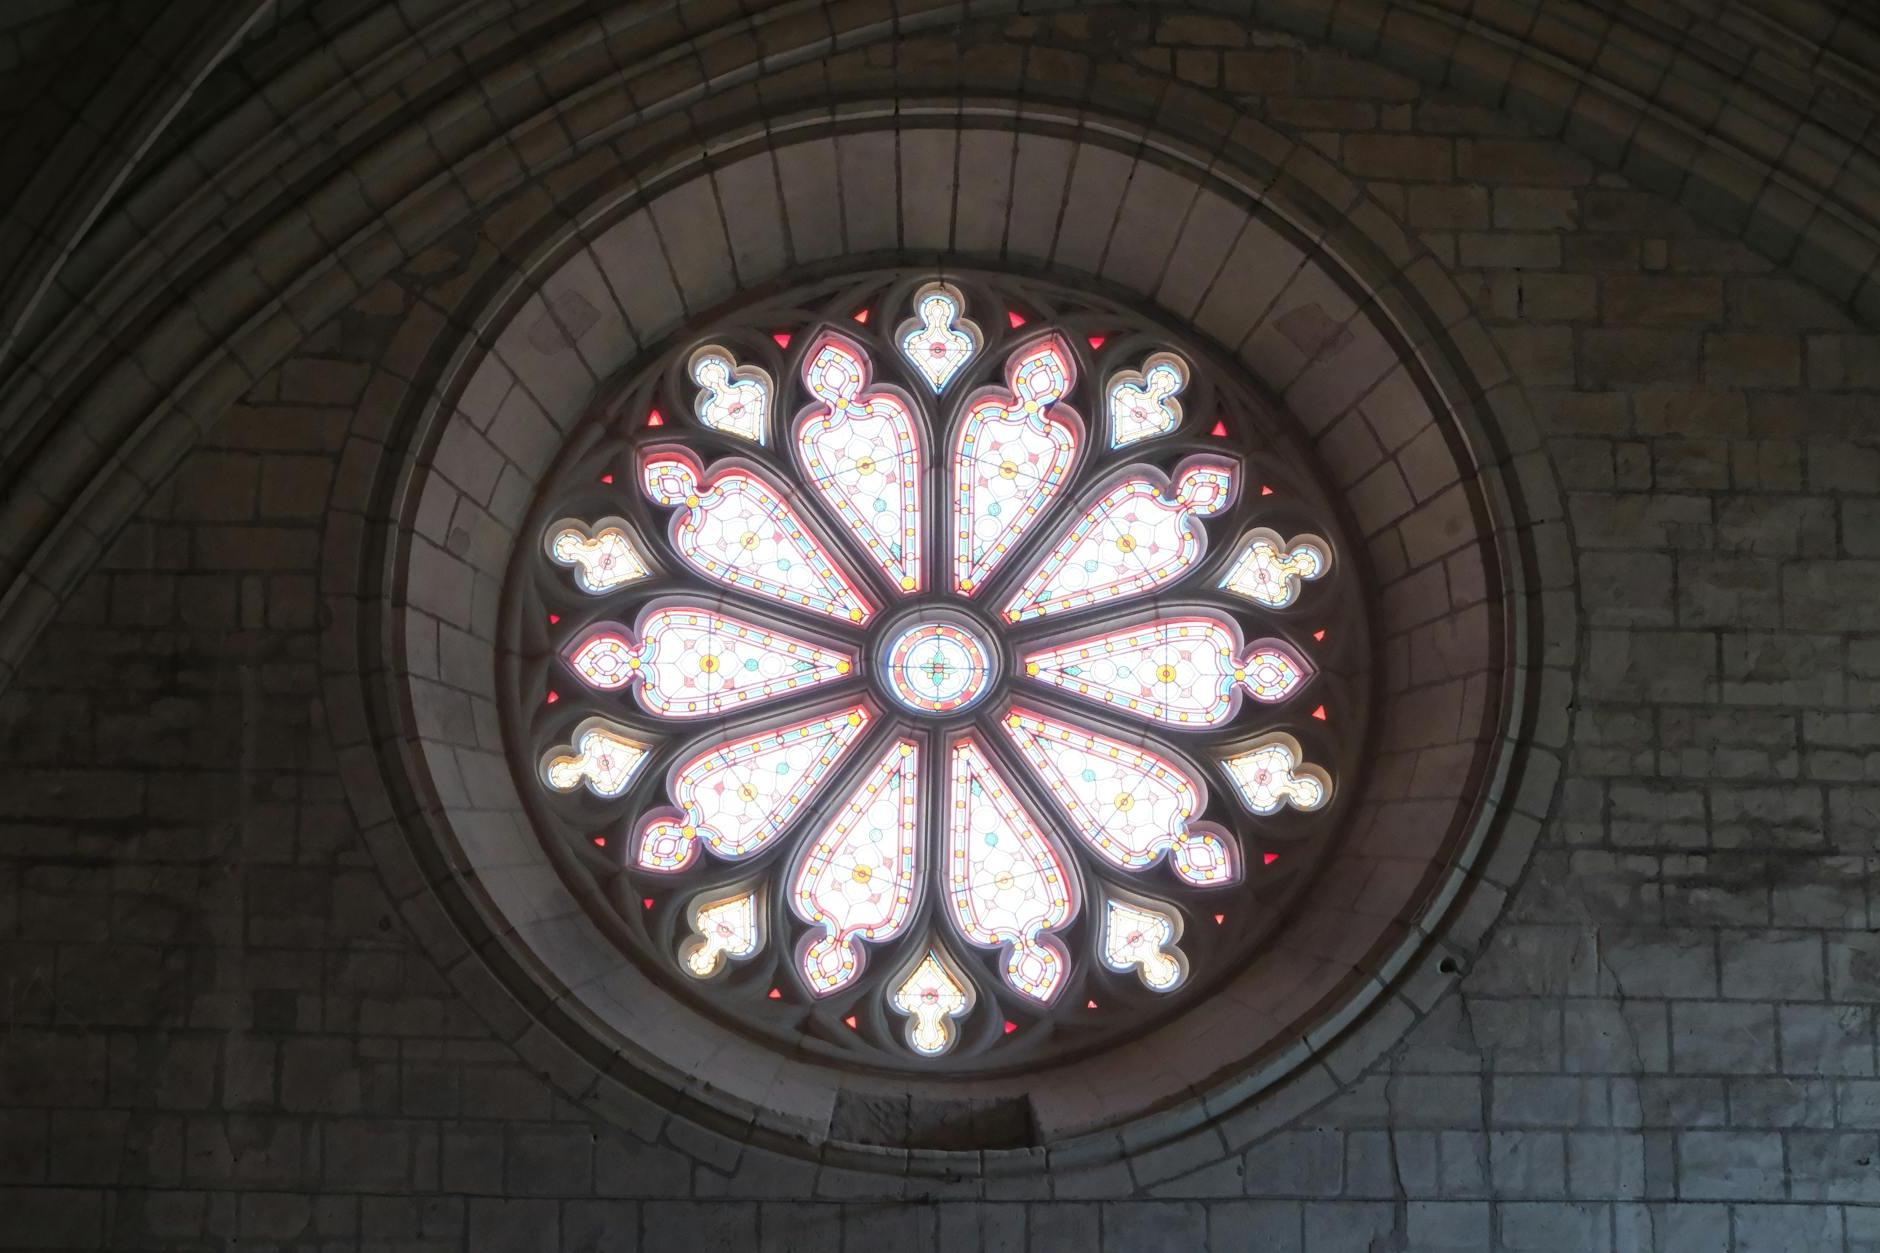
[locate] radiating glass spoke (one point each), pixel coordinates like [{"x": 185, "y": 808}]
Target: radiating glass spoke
[
  {"x": 857, "y": 881},
  {"x": 739, "y": 530},
  {"x": 1182, "y": 672},
  {"x": 694, "y": 662},
  {"x": 1131, "y": 539},
  {"x": 736, "y": 798}
]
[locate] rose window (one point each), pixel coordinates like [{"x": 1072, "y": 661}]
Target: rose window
[{"x": 936, "y": 673}]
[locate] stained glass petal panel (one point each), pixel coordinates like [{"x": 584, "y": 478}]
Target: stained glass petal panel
[
  {"x": 602, "y": 756},
  {"x": 1010, "y": 459},
  {"x": 724, "y": 929},
  {"x": 861, "y": 453},
  {"x": 1274, "y": 774},
  {"x": 694, "y": 662},
  {"x": 732, "y": 398},
  {"x": 1006, "y": 884},
  {"x": 603, "y": 557},
  {"x": 1141, "y": 937},
  {"x": 1128, "y": 804},
  {"x": 858, "y": 879},
  {"x": 1178, "y": 671},
  {"x": 740, "y": 530},
  {"x": 938, "y": 340},
  {"x": 1142, "y": 403},
  {"x": 736, "y": 798},
  {"x": 932, "y": 996},
  {"x": 1131, "y": 539},
  {"x": 1270, "y": 570}
]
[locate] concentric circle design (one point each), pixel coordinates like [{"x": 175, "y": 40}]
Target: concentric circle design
[
  {"x": 938, "y": 667},
  {"x": 943, "y": 710}
]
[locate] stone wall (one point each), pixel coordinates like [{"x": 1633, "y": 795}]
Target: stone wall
[{"x": 215, "y": 1030}]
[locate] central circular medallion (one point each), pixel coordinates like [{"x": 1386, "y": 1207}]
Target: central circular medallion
[{"x": 938, "y": 667}]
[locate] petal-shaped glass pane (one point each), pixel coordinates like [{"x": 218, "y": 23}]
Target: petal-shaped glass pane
[
  {"x": 732, "y": 398},
  {"x": 1010, "y": 459},
  {"x": 1142, "y": 403},
  {"x": 1006, "y": 883},
  {"x": 937, "y": 341},
  {"x": 1181, "y": 672},
  {"x": 724, "y": 929},
  {"x": 694, "y": 662},
  {"x": 1129, "y": 540},
  {"x": 858, "y": 878},
  {"x": 1270, "y": 570},
  {"x": 740, "y": 531},
  {"x": 1274, "y": 773},
  {"x": 603, "y": 556},
  {"x": 862, "y": 455},
  {"x": 931, "y": 995},
  {"x": 602, "y": 756},
  {"x": 1141, "y": 937},
  {"x": 737, "y": 797},
  {"x": 1128, "y": 804}
]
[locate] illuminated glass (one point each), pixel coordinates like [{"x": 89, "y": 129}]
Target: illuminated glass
[
  {"x": 1274, "y": 773},
  {"x": 1141, "y": 937},
  {"x": 1271, "y": 570},
  {"x": 858, "y": 880},
  {"x": 732, "y": 398},
  {"x": 603, "y": 558},
  {"x": 1007, "y": 884},
  {"x": 1128, "y": 804},
  {"x": 1142, "y": 403},
  {"x": 693, "y": 662},
  {"x": 603, "y": 756},
  {"x": 937, "y": 667},
  {"x": 1181, "y": 672},
  {"x": 736, "y": 798},
  {"x": 1128, "y": 541},
  {"x": 727, "y": 928},
  {"x": 1011, "y": 457},
  {"x": 932, "y": 996},
  {"x": 939, "y": 340},
  {"x": 739, "y": 531},
  {"x": 862, "y": 455}
]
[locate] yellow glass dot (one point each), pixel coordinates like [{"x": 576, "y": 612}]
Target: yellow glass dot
[
  {"x": 746, "y": 792},
  {"x": 688, "y": 831},
  {"x": 1239, "y": 674},
  {"x": 1008, "y": 469},
  {"x": 748, "y": 540},
  {"x": 843, "y": 667},
  {"x": 907, "y": 582},
  {"x": 708, "y": 663},
  {"x": 855, "y": 720},
  {"x": 862, "y": 874},
  {"x": 855, "y": 615},
  {"x": 1031, "y": 668},
  {"x": 691, "y": 502},
  {"x": 865, "y": 465},
  {"x": 1127, "y": 543},
  {"x": 1124, "y": 801},
  {"x": 1003, "y": 880},
  {"x": 1165, "y": 673},
  {"x": 966, "y": 585}
]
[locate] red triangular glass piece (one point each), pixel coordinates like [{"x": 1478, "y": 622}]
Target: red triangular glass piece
[
  {"x": 850, "y": 1020},
  {"x": 1219, "y": 431},
  {"x": 783, "y": 341},
  {"x": 1319, "y": 713},
  {"x": 1267, "y": 859},
  {"x": 1014, "y": 317},
  {"x": 1090, "y": 1004},
  {"x": 1096, "y": 342},
  {"x": 600, "y": 841},
  {"x": 553, "y": 696},
  {"x": 1319, "y": 635},
  {"x": 607, "y": 478},
  {"x": 1219, "y": 919},
  {"x": 775, "y": 994},
  {"x": 655, "y": 419},
  {"x": 1265, "y": 490},
  {"x": 862, "y": 316},
  {"x": 646, "y": 902},
  {"x": 1010, "y": 1026},
  {"x": 553, "y": 618}
]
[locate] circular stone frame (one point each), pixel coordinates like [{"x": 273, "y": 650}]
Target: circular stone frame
[{"x": 1366, "y": 344}]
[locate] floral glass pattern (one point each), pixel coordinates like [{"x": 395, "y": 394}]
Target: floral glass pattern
[{"x": 938, "y": 727}]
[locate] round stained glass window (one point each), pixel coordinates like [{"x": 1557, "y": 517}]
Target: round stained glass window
[{"x": 941, "y": 674}]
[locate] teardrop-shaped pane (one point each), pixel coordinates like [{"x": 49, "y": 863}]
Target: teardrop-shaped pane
[
  {"x": 932, "y": 996},
  {"x": 603, "y": 556},
  {"x": 938, "y": 340},
  {"x": 861, "y": 453},
  {"x": 1181, "y": 672},
  {"x": 1142, "y": 403},
  {"x": 1010, "y": 458},
  {"x": 728, "y": 928},
  {"x": 739, "y": 796},
  {"x": 602, "y": 756},
  {"x": 740, "y": 531},
  {"x": 858, "y": 878},
  {"x": 1128, "y": 804},
  {"x": 732, "y": 398},
  {"x": 1274, "y": 774},
  {"x": 693, "y": 662},
  {"x": 1141, "y": 937},
  {"x": 1007, "y": 885},
  {"x": 1131, "y": 539},
  {"x": 1271, "y": 570}
]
